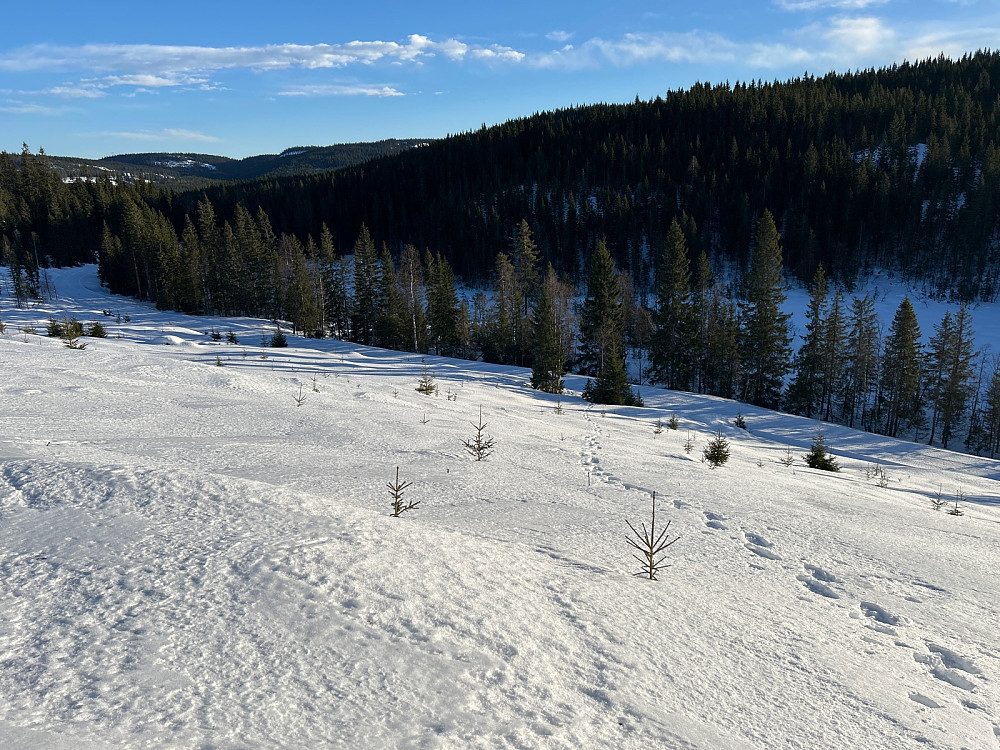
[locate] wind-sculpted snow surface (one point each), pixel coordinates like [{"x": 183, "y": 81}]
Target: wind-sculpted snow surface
[{"x": 190, "y": 559}]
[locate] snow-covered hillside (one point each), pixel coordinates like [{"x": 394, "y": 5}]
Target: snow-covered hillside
[{"x": 190, "y": 559}]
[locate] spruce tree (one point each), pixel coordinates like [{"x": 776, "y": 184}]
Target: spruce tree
[
  {"x": 602, "y": 326},
  {"x": 602, "y": 334},
  {"x": 899, "y": 402},
  {"x": 673, "y": 339},
  {"x": 549, "y": 360},
  {"x": 804, "y": 391},
  {"x": 834, "y": 355},
  {"x": 950, "y": 373},
  {"x": 861, "y": 363},
  {"x": 366, "y": 301},
  {"x": 391, "y": 321},
  {"x": 764, "y": 340},
  {"x": 443, "y": 310}
]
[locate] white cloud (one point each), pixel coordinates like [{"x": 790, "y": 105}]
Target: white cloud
[
  {"x": 159, "y": 136},
  {"x": 639, "y": 49},
  {"x": 28, "y": 108},
  {"x": 859, "y": 37},
  {"x": 342, "y": 90},
  {"x": 794, "y": 5},
  {"x": 168, "y": 61},
  {"x": 559, "y": 36}
]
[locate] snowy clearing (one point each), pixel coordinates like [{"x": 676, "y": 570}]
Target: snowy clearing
[{"x": 189, "y": 558}]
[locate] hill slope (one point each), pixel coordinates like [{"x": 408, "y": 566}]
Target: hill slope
[
  {"x": 180, "y": 171},
  {"x": 189, "y": 558}
]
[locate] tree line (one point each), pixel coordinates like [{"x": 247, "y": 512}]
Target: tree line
[{"x": 632, "y": 205}]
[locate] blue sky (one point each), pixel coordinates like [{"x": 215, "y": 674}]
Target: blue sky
[{"x": 94, "y": 79}]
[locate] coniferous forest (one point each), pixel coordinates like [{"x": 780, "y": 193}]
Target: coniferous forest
[{"x": 639, "y": 209}]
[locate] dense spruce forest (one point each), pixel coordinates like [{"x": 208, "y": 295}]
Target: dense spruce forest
[{"x": 629, "y": 206}]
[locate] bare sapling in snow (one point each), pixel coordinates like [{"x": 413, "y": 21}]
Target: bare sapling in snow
[
  {"x": 649, "y": 545},
  {"x": 396, "y": 490},
  {"x": 959, "y": 497},
  {"x": 300, "y": 399},
  {"x": 689, "y": 444},
  {"x": 938, "y": 501},
  {"x": 788, "y": 459},
  {"x": 481, "y": 445}
]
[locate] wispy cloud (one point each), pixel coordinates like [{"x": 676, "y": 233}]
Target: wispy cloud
[
  {"x": 160, "y": 136},
  {"x": 29, "y": 108},
  {"x": 794, "y": 5},
  {"x": 345, "y": 89},
  {"x": 168, "y": 61},
  {"x": 559, "y": 36},
  {"x": 639, "y": 49}
]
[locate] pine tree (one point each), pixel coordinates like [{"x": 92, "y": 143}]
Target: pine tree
[
  {"x": 818, "y": 457},
  {"x": 950, "y": 373},
  {"x": 673, "y": 339},
  {"x": 366, "y": 301},
  {"x": 550, "y": 356},
  {"x": 602, "y": 327},
  {"x": 701, "y": 299},
  {"x": 862, "y": 350},
  {"x": 602, "y": 334},
  {"x": 391, "y": 322},
  {"x": 504, "y": 342},
  {"x": 834, "y": 355},
  {"x": 764, "y": 341},
  {"x": 443, "y": 311},
  {"x": 524, "y": 253},
  {"x": 804, "y": 391},
  {"x": 899, "y": 402}
]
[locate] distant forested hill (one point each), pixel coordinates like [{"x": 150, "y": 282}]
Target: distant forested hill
[
  {"x": 897, "y": 167},
  {"x": 186, "y": 171}
]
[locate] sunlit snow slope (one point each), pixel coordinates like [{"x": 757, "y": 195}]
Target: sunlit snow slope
[{"x": 190, "y": 559}]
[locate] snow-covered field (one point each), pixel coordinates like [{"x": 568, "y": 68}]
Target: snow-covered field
[{"x": 189, "y": 559}]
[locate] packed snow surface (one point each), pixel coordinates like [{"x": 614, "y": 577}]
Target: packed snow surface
[{"x": 201, "y": 556}]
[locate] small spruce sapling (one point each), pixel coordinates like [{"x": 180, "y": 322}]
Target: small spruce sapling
[
  {"x": 72, "y": 330},
  {"x": 689, "y": 444},
  {"x": 658, "y": 427},
  {"x": 788, "y": 459},
  {"x": 717, "y": 451},
  {"x": 231, "y": 337},
  {"x": 97, "y": 331},
  {"x": 818, "y": 457},
  {"x": 740, "y": 421},
  {"x": 396, "y": 490},
  {"x": 278, "y": 339},
  {"x": 426, "y": 383},
  {"x": 650, "y": 545},
  {"x": 673, "y": 423},
  {"x": 938, "y": 501},
  {"x": 956, "y": 511},
  {"x": 481, "y": 445}
]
